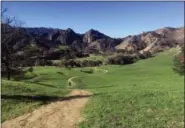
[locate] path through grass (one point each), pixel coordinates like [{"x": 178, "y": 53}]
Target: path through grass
[{"x": 147, "y": 94}]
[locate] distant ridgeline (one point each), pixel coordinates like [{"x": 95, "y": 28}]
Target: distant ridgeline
[{"x": 49, "y": 46}]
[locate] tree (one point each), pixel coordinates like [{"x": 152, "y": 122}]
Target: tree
[
  {"x": 122, "y": 59},
  {"x": 179, "y": 62},
  {"x": 12, "y": 36}
]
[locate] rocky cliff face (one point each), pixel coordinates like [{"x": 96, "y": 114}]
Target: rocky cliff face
[
  {"x": 153, "y": 41},
  {"x": 91, "y": 40}
]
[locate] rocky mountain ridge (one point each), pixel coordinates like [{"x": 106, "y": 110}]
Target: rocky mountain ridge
[{"x": 95, "y": 41}]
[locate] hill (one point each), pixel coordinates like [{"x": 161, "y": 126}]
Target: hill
[{"x": 154, "y": 41}]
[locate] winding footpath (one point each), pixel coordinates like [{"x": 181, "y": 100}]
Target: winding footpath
[
  {"x": 60, "y": 114},
  {"x": 70, "y": 80}
]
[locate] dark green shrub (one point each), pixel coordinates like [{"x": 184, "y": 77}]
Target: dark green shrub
[
  {"x": 43, "y": 62},
  {"x": 82, "y": 63},
  {"x": 30, "y": 69},
  {"x": 179, "y": 62},
  {"x": 69, "y": 68},
  {"x": 90, "y": 71},
  {"x": 145, "y": 55},
  {"x": 122, "y": 59}
]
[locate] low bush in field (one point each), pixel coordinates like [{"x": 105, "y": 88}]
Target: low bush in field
[
  {"x": 90, "y": 71},
  {"x": 145, "y": 55}
]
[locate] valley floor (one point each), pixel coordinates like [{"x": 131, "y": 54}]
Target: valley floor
[{"x": 147, "y": 94}]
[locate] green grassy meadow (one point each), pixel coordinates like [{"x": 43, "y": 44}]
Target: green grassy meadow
[{"x": 147, "y": 94}]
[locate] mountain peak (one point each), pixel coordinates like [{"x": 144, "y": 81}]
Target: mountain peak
[
  {"x": 69, "y": 30},
  {"x": 93, "y": 31}
]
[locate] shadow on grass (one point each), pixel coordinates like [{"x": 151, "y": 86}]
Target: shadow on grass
[
  {"x": 42, "y": 98},
  {"x": 89, "y": 72},
  {"x": 61, "y": 73},
  {"x": 48, "y": 85},
  {"x": 24, "y": 77},
  {"x": 102, "y": 87}
]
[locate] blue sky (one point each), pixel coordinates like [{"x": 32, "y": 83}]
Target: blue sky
[{"x": 116, "y": 19}]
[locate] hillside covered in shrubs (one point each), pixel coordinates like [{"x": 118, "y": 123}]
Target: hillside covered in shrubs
[{"x": 28, "y": 47}]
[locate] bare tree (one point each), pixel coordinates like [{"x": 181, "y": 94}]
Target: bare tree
[
  {"x": 11, "y": 36},
  {"x": 3, "y": 11}
]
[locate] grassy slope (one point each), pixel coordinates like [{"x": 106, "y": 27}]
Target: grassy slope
[
  {"x": 143, "y": 95},
  {"x": 48, "y": 84},
  {"x": 147, "y": 94}
]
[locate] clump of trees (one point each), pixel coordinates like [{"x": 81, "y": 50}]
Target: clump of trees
[
  {"x": 83, "y": 63},
  {"x": 43, "y": 62},
  {"x": 122, "y": 59},
  {"x": 178, "y": 66}
]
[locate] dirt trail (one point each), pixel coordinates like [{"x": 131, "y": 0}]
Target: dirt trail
[
  {"x": 60, "y": 114},
  {"x": 70, "y": 80}
]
